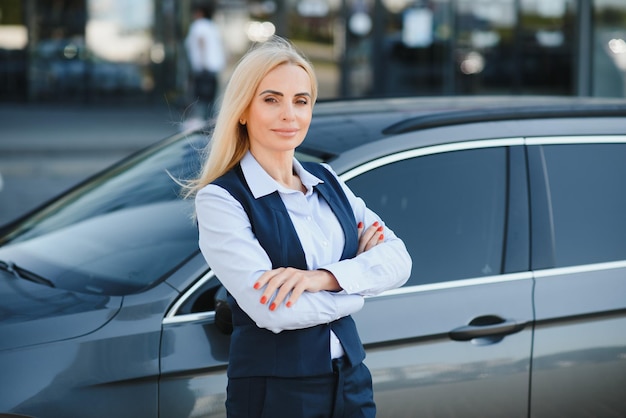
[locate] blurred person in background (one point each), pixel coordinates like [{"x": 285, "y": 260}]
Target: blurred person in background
[{"x": 206, "y": 56}]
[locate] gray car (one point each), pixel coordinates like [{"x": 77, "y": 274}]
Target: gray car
[{"x": 513, "y": 209}]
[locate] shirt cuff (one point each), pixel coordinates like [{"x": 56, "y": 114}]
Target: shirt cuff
[
  {"x": 344, "y": 272},
  {"x": 348, "y": 304}
]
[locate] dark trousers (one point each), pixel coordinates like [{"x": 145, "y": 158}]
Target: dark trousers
[
  {"x": 347, "y": 393},
  {"x": 205, "y": 89}
]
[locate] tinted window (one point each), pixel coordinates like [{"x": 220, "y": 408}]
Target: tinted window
[
  {"x": 448, "y": 208},
  {"x": 588, "y": 194}
]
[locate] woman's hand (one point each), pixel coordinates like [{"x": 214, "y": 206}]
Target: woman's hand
[
  {"x": 289, "y": 283},
  {"x": 370, "y": 237}
]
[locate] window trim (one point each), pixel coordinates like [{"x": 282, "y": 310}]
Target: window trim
[
  {"x": 455, "y": 284},
  {"x": 502, "y": 278},
  {"x": 430, "y": 150},
  {"x": 485, "y": 143},
  {"x": 582, "y": 268},
  {"x": 171, "y": 316},
  {"x": 575, "y": 140}
]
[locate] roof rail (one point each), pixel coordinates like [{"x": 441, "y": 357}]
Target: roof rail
[{"x": 494, "y": 114}]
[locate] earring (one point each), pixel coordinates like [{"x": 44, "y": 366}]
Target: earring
[{"x": 242, "y": 121}]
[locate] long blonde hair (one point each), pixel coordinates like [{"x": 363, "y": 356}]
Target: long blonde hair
[{"x": 229, "y": 140}]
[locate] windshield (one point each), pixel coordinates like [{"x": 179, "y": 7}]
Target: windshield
[{"x": 119, "y": 233}]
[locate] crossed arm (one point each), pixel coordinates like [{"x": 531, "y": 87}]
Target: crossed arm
[
  {"x": 289, "y": 298},
  {"x": 288, "y": 284}
]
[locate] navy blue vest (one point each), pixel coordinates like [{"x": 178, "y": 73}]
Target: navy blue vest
[{"x": 256, "y": 351}]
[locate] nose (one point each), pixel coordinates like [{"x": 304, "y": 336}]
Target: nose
[{"x": 288, "y": 111}]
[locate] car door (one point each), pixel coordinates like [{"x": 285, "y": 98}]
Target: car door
[
  {"x": 579, "y": 261},
  {"x": 456, "y": 339},
  {"x": 194, "y": 351}
]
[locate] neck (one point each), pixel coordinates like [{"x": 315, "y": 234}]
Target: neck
[{"x": 280, "y": 167}]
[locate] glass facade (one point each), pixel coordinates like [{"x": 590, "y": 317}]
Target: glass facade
[
  {"x": 89, "y": 49},
  {"x": 101, "y": 50},
  {"x": 477, "y": 47},
  {"x": 609, "y": 48},
  {"x": 13, "y": 44}
]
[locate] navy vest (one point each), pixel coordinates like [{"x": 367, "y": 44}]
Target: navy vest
[{"x": 257, "y": 351}]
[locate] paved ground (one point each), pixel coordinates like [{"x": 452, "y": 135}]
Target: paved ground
[{"x": 46, "y": 148}]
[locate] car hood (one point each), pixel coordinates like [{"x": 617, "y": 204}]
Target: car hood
[{"x": 31, "y": 313}]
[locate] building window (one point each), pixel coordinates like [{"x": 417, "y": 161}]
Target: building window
[{"x": 609, "y": 48}]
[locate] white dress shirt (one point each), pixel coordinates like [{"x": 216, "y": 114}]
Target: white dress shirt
[
  {"x": 204, "y": 46},
  {"x": 234, "y": 254}
]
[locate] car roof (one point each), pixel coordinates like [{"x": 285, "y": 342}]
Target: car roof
[{"x": 342, "y": 125}]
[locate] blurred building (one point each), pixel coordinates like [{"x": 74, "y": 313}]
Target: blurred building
[{"x": 131, "y": 50}]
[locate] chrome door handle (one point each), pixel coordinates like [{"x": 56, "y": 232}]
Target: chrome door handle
[{"x": 487, "y": 326}]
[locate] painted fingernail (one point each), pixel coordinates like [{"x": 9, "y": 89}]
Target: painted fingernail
[
  {"x": 380, "y": 229},
  {"x": 360, "y": 225},
  {"x": 272, "y": 306},
  {"x": 289, "y": 304},
  {"x": 381, "y": 237},
  {"x": 376, "y": 223},
  {"x": 263, "y": 300},
  {"x": 257, "y": 285}
]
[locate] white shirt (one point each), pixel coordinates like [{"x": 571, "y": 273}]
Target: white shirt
[
  {"x": 204, "y": 46},
  {"x": 234, "y": 254}
]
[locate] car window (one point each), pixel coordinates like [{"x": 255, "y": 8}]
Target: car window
[
  {"x": 448, "y": 208},
  {"x": 587, "y": 184}
]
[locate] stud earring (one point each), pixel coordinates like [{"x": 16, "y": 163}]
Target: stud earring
[{"x": 242, "y": 121}]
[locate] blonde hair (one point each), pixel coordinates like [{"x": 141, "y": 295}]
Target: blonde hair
[{"x": 229, "y": 141}]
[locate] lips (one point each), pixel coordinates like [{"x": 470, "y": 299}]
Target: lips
[{"x": 285, "y": 132}]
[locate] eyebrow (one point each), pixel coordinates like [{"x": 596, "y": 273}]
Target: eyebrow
[{"x": 277, "y": 93}]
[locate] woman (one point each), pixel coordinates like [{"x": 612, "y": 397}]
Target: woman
[{"x": 294, "y": 247}]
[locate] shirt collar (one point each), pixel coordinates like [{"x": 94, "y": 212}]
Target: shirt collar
[{"x": 262, "y": 184}]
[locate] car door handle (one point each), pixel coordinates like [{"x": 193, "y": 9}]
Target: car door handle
[{"x": 486, "y": 326}]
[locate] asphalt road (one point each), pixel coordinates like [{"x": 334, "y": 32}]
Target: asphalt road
[{"x": 47, "y": 148}]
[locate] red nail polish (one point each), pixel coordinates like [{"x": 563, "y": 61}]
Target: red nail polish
[
  {"x": 382, "y": 237},
  {"x": 376, "y": 223},
  {"x": 257, "y": 285},
  {"x": 272, "y": 306},
  {"x": 380, "y": 229},
  {"x": 360, "y": 225},
  {"x": 263, "y": 300},
  {"x": 288, "y": 304}
]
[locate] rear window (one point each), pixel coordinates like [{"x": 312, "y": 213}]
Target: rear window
[{"x": 587, "y": 184}]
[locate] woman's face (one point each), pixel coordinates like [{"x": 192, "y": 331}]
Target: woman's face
[{"x": 279, "y": 115}]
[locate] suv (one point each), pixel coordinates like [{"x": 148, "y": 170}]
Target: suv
[{"x": 512, "y": 209}]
